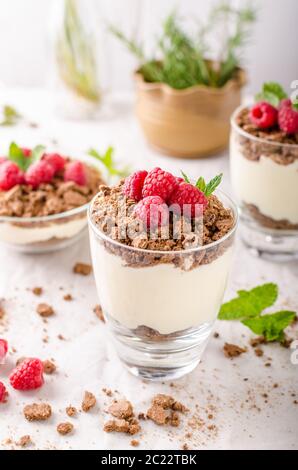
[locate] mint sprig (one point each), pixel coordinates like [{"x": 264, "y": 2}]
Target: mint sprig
[
  {"x": 248, "y": 307},
  {"x": 10, "y": 116},
  {"x": 16, "y": 155},
  {"x": 206, "y": 188},
  {"x": 107, "y": 159},
  {"x": 272, "y": 93}
]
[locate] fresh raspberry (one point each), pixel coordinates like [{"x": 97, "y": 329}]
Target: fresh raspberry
[
  {"x": 75, "y": 171},
  {"x": 285, "y": 103},
  {"x": 263, "y": 115},
  {"x": 3, "y": 350},
  {"x": 133, "y": 185},
  {"x": 159, "y": 183},
  {"x": 152, "y": 211},
  {"x": 10, "y": 175},
  {"x": 39, "y": 172},
  {"x": 186, "y": 193},
  {"x": 28, "y": 375},
  {"x": 3, "y": 159},
  {"x": 3, "y": 393},
  {"x": 55, "y": 160},
  {"x": 26, "y": 151},
  {"x": 288, "y": 119}
]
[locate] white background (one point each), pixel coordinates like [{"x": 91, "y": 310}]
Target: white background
[{"x": 24, "y": 39}]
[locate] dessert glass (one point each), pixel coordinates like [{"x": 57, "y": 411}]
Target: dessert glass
[
  {"x": 43, "y": 234},
  {"x": 264, "y": 175},
  {"x": 160, "y": 306}
]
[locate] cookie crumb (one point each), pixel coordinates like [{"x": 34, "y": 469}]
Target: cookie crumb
[
  {"x": 108, "y": 392},
  {"x": 121, "y": 425},
  {"x": 61, "y": 337},
  {"x": 37, "y": 291},
  {"x": 82, "y": 268},
  {"x": 185, "y": 446},
  {"x": 215, "y": 335},
  {"x": 24, "y": 441},
  {"x": 121, "y": 409},
  {"x": 232, "y": 350},
  {"x": 98, "y": 312},
  {"x": 259, "y": 352},
  {"x": 89, "y": 401},
  {"x": 257, "y": 341},
  {"x": 64, "y": 428},
  {"x": 37, "y": 412},
  {"x": 49, "y": 367},
  {"x": 71, "y": 411},
  {"x": 68, "y": 297},
  {"x": 44, "y": 310},
  {"x": 157, "y": 414},
  {"x": 134, "y": 443}
]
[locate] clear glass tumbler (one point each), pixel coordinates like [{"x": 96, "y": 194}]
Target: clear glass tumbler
[
  {"x": 160, "y": 305},
  {"x": 264, "y": 175}
]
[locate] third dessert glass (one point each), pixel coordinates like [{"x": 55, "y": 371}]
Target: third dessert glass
[
  {"x": 264, "y": 172},
  {"x": 160, "y": 297}
]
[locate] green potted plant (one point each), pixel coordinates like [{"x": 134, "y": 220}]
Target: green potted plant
[{"x": 187, "y": 92}]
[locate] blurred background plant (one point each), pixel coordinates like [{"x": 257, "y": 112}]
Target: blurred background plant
[{"x": 182, "y": 60}]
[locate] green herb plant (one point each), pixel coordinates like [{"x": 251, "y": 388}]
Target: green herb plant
[
  {"x": 10, "y": 116},
  {"x": 16, "y": 155},
  {"x": 107, "y": 160},
  {"x": 273, "y": 93},
  {"x": 184, "y": 58},
  {"x": 206, "y": 188},
  {"x": 249, "y": 306}
]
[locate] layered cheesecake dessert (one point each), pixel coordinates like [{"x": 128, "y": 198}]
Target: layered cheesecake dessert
[
  {"x": 43, "y": 197},
  {"x": 161, "y": 250},
  {"x": 264, "y": 160}
]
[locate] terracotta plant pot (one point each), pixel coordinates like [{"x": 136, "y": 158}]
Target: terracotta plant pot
[{"x": 188, "y": 123}]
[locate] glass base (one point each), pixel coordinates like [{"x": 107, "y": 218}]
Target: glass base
[
  {"x": 166, "y": 358},
  {"x": 270, "y": 244}
]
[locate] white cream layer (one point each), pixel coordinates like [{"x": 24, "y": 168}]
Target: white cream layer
[
  {"x": 272, "y": 187},
  {"x": 161, "y": 297},
  {"x": 14, "y": 234}
]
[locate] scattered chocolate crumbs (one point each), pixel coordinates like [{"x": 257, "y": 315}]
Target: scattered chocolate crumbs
[
  {"x": 185, "y": 446},
  {"x": 2, "y": 312},
  {"x": 68, "y": 297},
  {"x": 157, "y": 414},
  {"x": 259, "y": 352},
  {"x": 215, "y": 335},
  {"x": 257, "y": 341},
  {"x": 121, "y": 425},
  {"x": 267, "y": 364},
  {"x": 161, "y": 403},
  {"x": 134, "y": 443},
  {"x": 232, "y": 350},
  {"x": 64, "y": 428},
  {"x": 37, "y": 412},
  {"x": 99, "y": 313},
  {"x": 141, "y": 416},
  {"x": 71, "y": 411},
  {"x": 82, "y": 268},
  {"x": 61, "y": 337},
  {"x": 44, "y": 310},
  {"x": 108, "y": 392},
  {"x": 37, "y": 291},
  {"x": 89, "y": 401},
  {"x": 24, "y": 441},
  {"x": 121, "y": 409},
  {"x": 49, "y": 367}
]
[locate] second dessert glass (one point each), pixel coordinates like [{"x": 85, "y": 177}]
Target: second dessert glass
[{"x": 160, "y": 306}]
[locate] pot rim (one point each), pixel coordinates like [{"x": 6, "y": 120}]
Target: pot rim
[{"x": 239, "y": 81}]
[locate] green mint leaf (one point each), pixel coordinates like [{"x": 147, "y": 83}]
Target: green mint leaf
[
  {"x": 36, "y": 154},
  {"x": 276, "y": 89},
  {"x": 10, "y": 116},
  {"x": 212, "y": 185},
  {"x": 268, "y": 97},
  {"x": 185, "y": 177},
  {"x": 107, "y": 160},
  {"x": 271, "y": 326},
  {"x": 16, "y": 155},
  {"x": 249, "y": 303},
  {"x": 295, "y": 105},
  {"x": 201, "y": 184}
]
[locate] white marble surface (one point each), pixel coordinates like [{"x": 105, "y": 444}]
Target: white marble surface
[{"x": 85, "y": 358}]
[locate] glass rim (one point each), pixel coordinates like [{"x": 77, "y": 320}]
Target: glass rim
[
  {"x": 253, "y": 137},
  {"x": 105, "y": 237},
  {"x": 45, "y": 218}
]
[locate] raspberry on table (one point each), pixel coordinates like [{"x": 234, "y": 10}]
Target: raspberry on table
[
  {"x": 75, "y": 171},
  {"x": 159, "y": 183},
  {"x": 10, "y": 175},
  {"x": 288, "y": 119},
  {"x": 3, "y": 349},
  {"x": 55, "y": 160},
  {"x": 152, "y": 211},
  {"x": 263, "y": 115},
  {"x": 133, "y": 185},
  {"x": 38, "y": 173},
  {"x": 187, "y": 194},
  {"x": 3, "y": 393},
  {"x": 28, "y": 375}
]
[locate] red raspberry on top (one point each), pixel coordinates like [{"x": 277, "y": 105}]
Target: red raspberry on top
[
  {"x": 133, "y": 185},
  {"x": 55, "y": 160},
  {"x": 26, "y": 151},
  {"x": 152, "y": 211},
  {"x": 3, "y": 349},
  {"x": 186, "y": 193},
  {"x": 263, "y": 115},
  {"x": 75, "y": 171},
  {"x": 159, "y": 183},
  {"x": 10, "y": 175},
  {"x": 288, "y": 119},
  {"x": 3, "y": 393},
  {"x": 28, "y": 375},
  {"x": 38, "y": 173},
  {"x": 285, "y": 102}
]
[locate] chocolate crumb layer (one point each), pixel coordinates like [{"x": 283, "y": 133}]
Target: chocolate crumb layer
[
  {"x": 253, "y": 149},
  {"x": 266, "y": 221},
  {"x": 108, "y": 212},
  {"x": 37, "y": 412},
  {"x": 50, "y": 198},
  {"x": 232, "y": 350}
]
